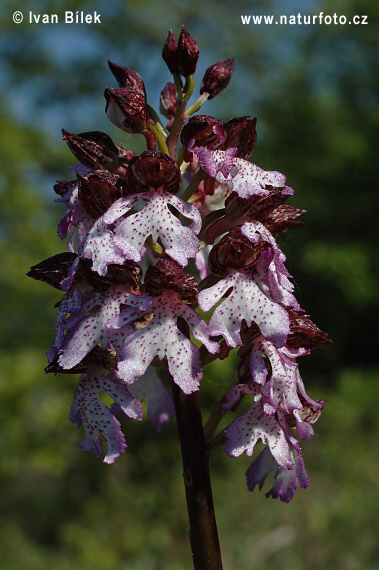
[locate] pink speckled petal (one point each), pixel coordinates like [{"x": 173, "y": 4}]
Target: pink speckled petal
[
  {"x": 160, "y": 407},
  {"x": 245, "y": 302},
  {"x": 215, "y": 161},
  {"x": 287, "y": 481},
  {"x": 245, "y": 431},
  {"x": 281, "y": 389},
  {"x": 87, "y": 410},
  {"x": 162, "y": 338},
  {"x": 93, "y": 326},
  {"x": 155, "y": 219}
]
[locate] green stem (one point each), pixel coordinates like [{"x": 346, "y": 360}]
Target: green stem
[
  {"x": 159, "y": 137},
  {"x": 190, "y": 84},
  {"x": 154, "y": 115},
  {"x": 196, "y": 105}
]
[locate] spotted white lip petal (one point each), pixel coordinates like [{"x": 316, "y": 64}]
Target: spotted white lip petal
[
  {"x": 88, "y": 411},
  {"x": 94, "y": 325},
  {"x": 242, "y": 176},
  {"x": 245, "y": 302},
  {"x": 246, "y": 430},
  {"x": 162, "y": 338}
]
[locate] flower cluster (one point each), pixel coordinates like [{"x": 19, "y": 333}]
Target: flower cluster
[{"x": 129, "y": 307}]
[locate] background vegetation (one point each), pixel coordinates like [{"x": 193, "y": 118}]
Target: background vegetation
[{"x": 315, "y": 92}]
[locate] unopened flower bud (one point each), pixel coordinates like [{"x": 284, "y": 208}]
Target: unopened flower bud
[
  {"x": 98, "y": 191},
  {"x": 155, "y": 169},
  {"x": 127, "y": 77},
  {"x": 203, "y": 130},
  {"x": 217, "y": 77},
  {"x": 168, "y": 274},
  {"x": 168, "y": 100},
  {"x": 241, "y": 134},
  {"x": 53, "y": 270},
  {"x": 169, "y": 53},
  {"x": 93, "y": 149},
  {"x": 126, "y": 108},
  {"x": 304, "y": 333},
  {"x": 188, "y": 53}
]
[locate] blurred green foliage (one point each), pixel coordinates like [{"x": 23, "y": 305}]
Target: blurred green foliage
[{"x": 315, "y": 94}]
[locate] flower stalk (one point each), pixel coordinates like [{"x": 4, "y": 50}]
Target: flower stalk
[{"x": 203, "y": 534}]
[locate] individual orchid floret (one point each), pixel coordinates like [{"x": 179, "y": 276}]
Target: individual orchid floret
[
  {"x": 91, "y": 324},
  {"x": 160, "y": 407},
  {"x": 203, "y": 130},
  {"x": 93, "y": 149},
  {"x": 243, "y": 177},
  {"x": 163, "y": 337},
  {"x": 127, "y": 238},
  {"x": 127, "y": 77},
  {"x": 126, "y": 108},
  {"x": 238, "y": 258},
  {"x": 98, "y": 421},
  {"x": 217, "y": 77}
]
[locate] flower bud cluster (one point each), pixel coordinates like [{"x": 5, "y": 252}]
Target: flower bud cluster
[{"x": 136, "y": 225}]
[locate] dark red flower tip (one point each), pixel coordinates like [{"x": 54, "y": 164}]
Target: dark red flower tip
[
  {"x": 154, "y": 169},
  {"x": 309, "y": 412},
  {"x": 217, "y": 77},
  {"x": 127, "y": 77},
  {"x": 169, "y": 53},
  {"x": 282, "y": 219},
  {"x": 304, "y": 333},
  {"x": 168, "y": 100},
  {"x": 203, "y": 130},
  {"x": 235, "y": 251},
  {"x": 53, "y": 270},
  {"x": 168, "y": 274},
  {"x": 238, "y": 210},
  {"x": 126, "y": 108},
  {"x": 63, "y": 186},
  {"x": 187, "y": 54},
  {"x": 241, "y": 134},
  {"x": 98, "y": 190},
  {"x": 93, "y": 149},
  {"x": 96, "y": 357},
  {"x": 128, "y": 274}
]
